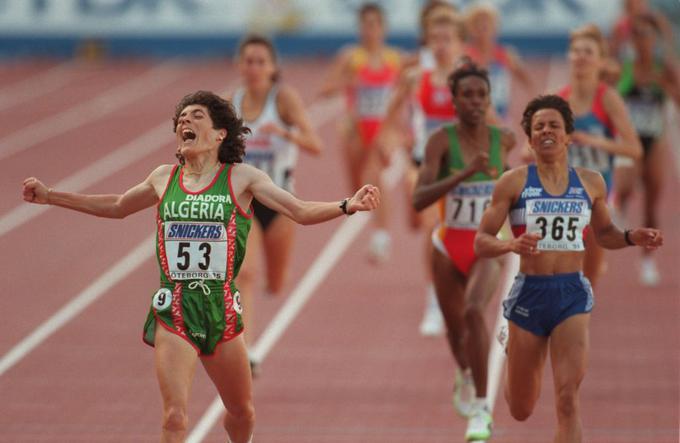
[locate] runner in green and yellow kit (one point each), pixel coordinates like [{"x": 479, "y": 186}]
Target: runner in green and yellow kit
[
  {"x": 201, "y": 241},
  {"x": 461, "y": 165}
]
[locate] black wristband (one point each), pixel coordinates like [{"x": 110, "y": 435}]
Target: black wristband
[
  {"x": 626, "y": 237},
  {"x": 343, "y": 206}
]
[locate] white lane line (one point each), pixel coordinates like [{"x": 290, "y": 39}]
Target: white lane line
[
  {"x": 119, "y": 271},
  {"x": 128, "y": 264},
  {"x": 120, "y": 158},
  {"x": 497, "y": 353},
  {"x": 97, "y": 107},
  {"x": 672, "y": 116},
  {"x": 37, "y": 85},
  {"x": 117, "y": 160},
  {"x": 316, "y": 273}
]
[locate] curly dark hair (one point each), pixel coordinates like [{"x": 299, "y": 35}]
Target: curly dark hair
[
  {"x": 466, "y": 67},
  {"x": 222, "y": 113},
  {"x": 549, "y": 101}
]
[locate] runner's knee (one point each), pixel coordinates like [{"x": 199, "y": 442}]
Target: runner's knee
[
  {"x": 566, "y": 401},
  {"x": 244, "y": 413},
  {"x": 175, "y": 419},
  {"x": 474, "y": 313},
  {"x": 520, "y": 410}
]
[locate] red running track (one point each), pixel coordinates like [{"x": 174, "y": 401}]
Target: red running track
[{"x": 351, "y": 368}]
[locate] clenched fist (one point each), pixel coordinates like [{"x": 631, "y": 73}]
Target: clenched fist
[{"x": 35, "y": 191}]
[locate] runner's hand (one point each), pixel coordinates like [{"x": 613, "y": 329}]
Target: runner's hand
[
  {"x": 648, "y": 238},
  {"x": 526, "y": 244},
  {"x": 582, "y": 138},
  {"x": 480, "y": 163},
  {"x": 274, "y": 129},
  {"x": 35, "y": 191},
  {"x": 366, "y": 199}
]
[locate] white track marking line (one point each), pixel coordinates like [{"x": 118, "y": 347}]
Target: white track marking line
[
  {"x": 95, "y": 172},
  {"x": 37, "y": 85},
  {"x": 118, "y": 159},
  {"x": 315, "y": 275},
  {"x": 672, "y": 116},
  {"x": 95, "y": 108},
  {"x": 497, "y": 353},
  {"x": 119, "y": 271}
]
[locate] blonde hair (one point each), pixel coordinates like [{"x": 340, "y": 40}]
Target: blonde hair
[
  {"x": 430, "y": 8},
  {"x": 478, "y": 9},
  {"x": 592, "y": 32},
  {"x": 445, "y": 17}
]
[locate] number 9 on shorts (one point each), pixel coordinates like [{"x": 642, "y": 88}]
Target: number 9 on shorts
[{"x": 162, "y": 299}]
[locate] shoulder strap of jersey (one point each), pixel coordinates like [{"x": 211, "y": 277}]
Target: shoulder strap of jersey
[
  {"x": 627, "y": 79},
  {"x": 598, "y": 107},
  {"x": 565, "y": 92},
  {"x": 495, "y": 150},
  {"x": 575, "y": 181},
  {"x": 237, "y": 99},
  {"x": 171, "y": 179},
  {"x": 455, "y": 155}
]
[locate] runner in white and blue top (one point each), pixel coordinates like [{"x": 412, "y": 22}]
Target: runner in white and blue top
[{"x": 550, "y": 206}]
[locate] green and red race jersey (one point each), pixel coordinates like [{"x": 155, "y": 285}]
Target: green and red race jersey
[{"x": 201, "y": 236}]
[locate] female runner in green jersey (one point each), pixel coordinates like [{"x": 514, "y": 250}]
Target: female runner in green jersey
[{"x": 203, "y": 218}]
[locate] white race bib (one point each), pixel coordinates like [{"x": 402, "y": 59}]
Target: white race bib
[
  {"x": 372, "y": 101},
  {"x": 196, "y": 250},
  {"x": 560, "y": 222},
  {"x": 589, "y": 157},
  {"x": 465, "y": 204}
]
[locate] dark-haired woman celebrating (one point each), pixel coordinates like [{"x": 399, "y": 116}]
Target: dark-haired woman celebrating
[
  {"x": 462, "y": 162},
  {"x": 548, "y": 308},
  {"x": 202, "y": 227},
  {"x": 279, "y": 124}
]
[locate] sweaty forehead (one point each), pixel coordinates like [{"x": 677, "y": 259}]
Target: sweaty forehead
[
  {"x": 472, "y": 81},
  {"x": 194, "y": 108},
  {"x": 547, "y": 115}
]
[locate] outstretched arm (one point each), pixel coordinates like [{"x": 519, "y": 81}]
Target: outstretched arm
[
  {"x": 133, "y": 200},
  {"x": 606, "y": 233},
  {"x": 305, "y": 212},
  {"x": 339, "y": 76}
]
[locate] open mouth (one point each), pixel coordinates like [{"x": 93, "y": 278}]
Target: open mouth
[{"x": 188, "y": 134}]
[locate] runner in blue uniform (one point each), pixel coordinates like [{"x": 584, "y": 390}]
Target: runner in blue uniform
[{"x": 550, "y": 204}]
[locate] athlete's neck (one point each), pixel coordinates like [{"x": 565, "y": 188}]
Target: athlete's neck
[
  {"x": 486, "y": 45},
  {"x": 474, "y": 131},
  {"x": 554, "y": 170},
  {"x": 446, "y": 62},
  {"x": 584, "y": 87},
  {"x": 644, "y": 60},
  {"x": 202, "y": 165},
  {"x": 258, "y": 95},
  {"x": 373, "y": 48}
]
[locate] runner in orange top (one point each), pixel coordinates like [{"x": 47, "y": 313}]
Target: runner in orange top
[
  {"x": 424, "y": 90},
  {"x": 366, "y": 73}
]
